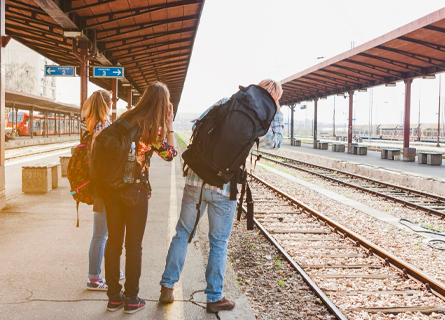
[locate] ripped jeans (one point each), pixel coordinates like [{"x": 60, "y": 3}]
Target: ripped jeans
[{"x": 126, "y": 216}]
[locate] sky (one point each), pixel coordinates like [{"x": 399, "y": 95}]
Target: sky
[
  {"x": 245, "y": 41},
  {"x": 240, "y": 42}
]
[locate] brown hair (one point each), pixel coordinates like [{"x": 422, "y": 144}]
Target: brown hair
[
  {"x": 96, "y": 108},
  {"x": 150, "y": 112}
]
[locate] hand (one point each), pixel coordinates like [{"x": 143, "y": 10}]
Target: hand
[{"x": 169, "y": 117}]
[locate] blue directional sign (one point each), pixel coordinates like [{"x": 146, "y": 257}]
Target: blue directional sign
[
  {"x": 108, "y": 72},
  {"x": 59, "y": 71}
]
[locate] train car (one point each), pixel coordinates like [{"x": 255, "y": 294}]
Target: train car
[
  {"x": 20, "y": 123},
  {"x": 425, "y": 132}
]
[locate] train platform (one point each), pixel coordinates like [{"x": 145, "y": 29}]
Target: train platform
[
  {"x": 374, "y": 158},
  {"x": 410, "y": 174},
  {"x": 44, "y": 265}
]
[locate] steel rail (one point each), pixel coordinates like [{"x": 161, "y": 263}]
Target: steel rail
[
  {"x": 388, "y": 185},
  {"x": 328, "y": 302},
  {"x": 431, "y": 283},
  {"x": 26, "y": 154}
]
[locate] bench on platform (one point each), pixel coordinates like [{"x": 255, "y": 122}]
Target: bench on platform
[
  {"x": 338, "y": 147},
  {"x": 322, "y": 145},
  {"x": 295, "y": 142},
  {"x": 431, "y": 158},
  {"x": 64, "y": 160},
  {"x": 40, "y": 178},
  {"x": 360, "y": 150},
  {"x": 390, "y": 153}
]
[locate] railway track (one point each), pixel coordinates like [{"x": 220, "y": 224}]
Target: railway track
[
  {"x": 349, "y": 273},
  {"x": 37, "y": 149},
  {"x": 427, "y": 202}
]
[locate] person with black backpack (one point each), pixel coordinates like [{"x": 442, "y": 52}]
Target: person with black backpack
[
  {"x": 254, "y": 106},
  {"x": 145, "y": 129}
]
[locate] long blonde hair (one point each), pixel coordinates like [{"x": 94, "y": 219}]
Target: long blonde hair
[
  {"x": 150, "y": 113},
  {"x": 96, "y": 109},
  {"x": 273, "y": 87}
]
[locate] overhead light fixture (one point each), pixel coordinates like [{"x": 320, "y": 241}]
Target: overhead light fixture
[
  {"x": 126, "y": 84},
  {"x": 72, "y": 33},
  {"x": 391, "y": 84},
  {"x": 136, "y": 94},
  {"x": 431, "y": 76},
  {"x": 362, "y": 90},
  {"x": 340, "y": 94},
  {"x": 323, "y": 98}
]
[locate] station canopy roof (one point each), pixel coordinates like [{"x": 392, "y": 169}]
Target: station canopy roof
[
  {"x": 21, "y": 100},
  {"x": 414, "y": 50},
  {"x": 151, "y": 39}
]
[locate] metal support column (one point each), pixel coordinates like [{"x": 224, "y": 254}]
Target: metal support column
[
  {"x": 333, "y": 121},
  {"x": 351, "y": 107},
  {"x": 409, "y": 154},
  {"x": 2, "y": 104},
  {"x": 114, "y": 108},
  {"x": 438, "y": 114},
  {"x": 129, "y": 98},
  {"x": 292, "y": 109},
  {"x": 315, "y": 123}
]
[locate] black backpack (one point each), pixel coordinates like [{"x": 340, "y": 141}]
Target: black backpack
[
  {"x": 222, "y": 139},
  {"x": 110, "y": 152}
]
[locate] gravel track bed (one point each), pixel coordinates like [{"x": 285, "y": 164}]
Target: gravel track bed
[
  {"x": 407, "y": 246},
  {"x": 273, "y": 288},
  {"x": 378, "y": 292}
]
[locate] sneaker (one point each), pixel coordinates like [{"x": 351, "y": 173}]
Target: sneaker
[
  {"x": 166, "y": 295},
  {"x": 133, "y": 305},
  {"x": 97, "y": 285},
  {"x": 115, "y": 304},
  {"x": 121, "y": 275},
  {"x": 223, "y": 304}
]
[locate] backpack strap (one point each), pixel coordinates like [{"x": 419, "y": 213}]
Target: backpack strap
[
  {"x": 243, "y": 182},
  {"x": 249, "y": 201},
  {"x": 77, "y": 207},
  {"x": 198, "y": 207}
]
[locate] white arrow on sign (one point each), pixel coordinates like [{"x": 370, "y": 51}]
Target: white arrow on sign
[
  {"x": 49, "y": 70},
  {"x": 118, "y": 72}
]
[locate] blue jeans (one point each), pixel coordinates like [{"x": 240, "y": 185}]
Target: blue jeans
[
  {"x": 126, "y": 218},
  {"x": 221, "y": 211},
  {"x": 97, "y": 245}
]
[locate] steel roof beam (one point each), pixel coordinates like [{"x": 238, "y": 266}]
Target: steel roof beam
[
  {"x": 25, "y": 20},
  {"x": 430, "y": 45},
  {"x": 300, "y": 81},
  {"x": 326, "y": 83},
  {"x": 148, "y": 45},
  {"x": 416, "y": 56},
  {"x": 164, "y": 66},
  {"x": 332, "y": 79},
  {"x": 67, "y": 5},
  {"x": 141, "y": 26},
  {"x": 434, "y": 28},
  {"x": 139, "y": 39},
  {"x": 384, "y": 70},
  {"x": 360, "y": 72},
  {"x": 404, "y": 65},
  {"x": 160, "y": 70},
  {"x": 154, "y": 60},
  {"x": 300, "y": 88},
  {"x": 144, "y": 54},
  {"x": 354, "y": 79},
  {"x": 133, "y": 13}
]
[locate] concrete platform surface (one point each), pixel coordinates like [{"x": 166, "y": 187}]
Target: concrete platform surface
[{"x": 44, "y": 257}]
